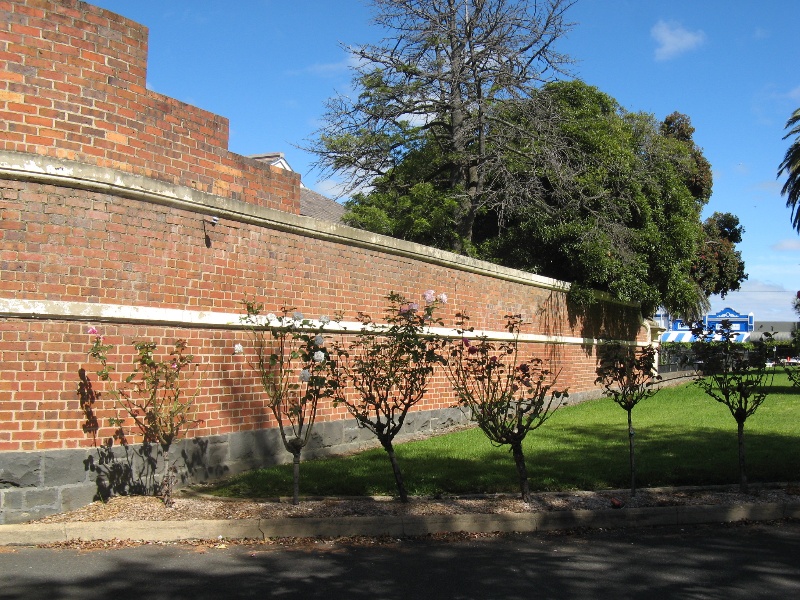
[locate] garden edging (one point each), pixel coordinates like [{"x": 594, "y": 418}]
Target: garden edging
[{"x": 29, "y": 534}]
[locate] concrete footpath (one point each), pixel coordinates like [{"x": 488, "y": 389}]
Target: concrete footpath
[{"x": 30, "y": 534}]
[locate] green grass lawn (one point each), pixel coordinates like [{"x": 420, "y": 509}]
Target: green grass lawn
[{"x": 683, "y": 437}]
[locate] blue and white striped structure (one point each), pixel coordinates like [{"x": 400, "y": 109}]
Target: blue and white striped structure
[{"x": 678, "y": 331}]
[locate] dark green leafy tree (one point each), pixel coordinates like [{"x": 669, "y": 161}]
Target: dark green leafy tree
[
  {"x": 627, "y": 376},
  {"x": 290, "y": 358},
  {"x": 718, "y": 267},
  {"x": 734, "y": 376},
  {"x": 698, "y": 174},
  {"x": 791, "y": 167},
  {"x": 387, "y": 366},
  {"x": 628, "y": 223},
  {"x": 612, "y": 198},
  {"x": 412, "y": 202},
  {"x": 506, "y": 396},
  {"x": 447, "y": 74},
  {"x": 154, "y": 396}
]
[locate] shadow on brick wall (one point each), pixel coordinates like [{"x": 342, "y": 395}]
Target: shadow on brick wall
[
  {"x": 124, "y": 470},
  {"x": 119, "y": 468},
  {"x": 604, "y": 320}
]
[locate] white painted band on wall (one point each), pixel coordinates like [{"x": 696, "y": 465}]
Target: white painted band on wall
[{"x": 93, "y": 312}]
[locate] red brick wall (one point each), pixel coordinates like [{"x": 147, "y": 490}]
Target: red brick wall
[
  {"x": 72, "y": 85},
  {"x": 80, "y": 246}
]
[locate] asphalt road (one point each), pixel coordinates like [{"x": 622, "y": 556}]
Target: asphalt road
[{"x": 720, "y": 561}]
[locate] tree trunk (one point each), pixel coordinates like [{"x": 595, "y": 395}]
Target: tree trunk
[
  {"x": 398, "y": 476},
  {"x": 295, "y": 447},
  {"x": 742, "y": 470},
  {"x": 166, "y": 481},
  {"x": 466, "y": 223},
  {"x": 461, "y": 176},
  {"x": 631, "y": 445},
  {"x": 465, "y": 226},
  {"x": 296, "y": 473},
  {"x": 522, "y": 471}
]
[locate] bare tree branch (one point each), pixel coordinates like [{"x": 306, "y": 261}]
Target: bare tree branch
[{"x": 447, "y": 71}]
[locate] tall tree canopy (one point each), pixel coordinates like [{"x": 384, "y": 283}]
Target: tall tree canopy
[
  {"x": 626, "y": 221},
  {"x": 448, "y": 74},
  {"x": 791, "y": 166},
  {"x": 629, "y": 222},
  {"x": 719, "y": 267},
  {"x": 463, "y": 140}
]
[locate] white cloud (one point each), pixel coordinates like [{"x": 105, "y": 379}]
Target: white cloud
[
  {"x": 772, "y": 105},
  {"x": 329, "y": 188},
  {"x": 760, "y": 33},
  {"x": 326, "y": 69},
  {"x": 786, "y": 246},
  {"x": 418, "y": 120},
  {"x": 772, "y": 188},
  {"x": 333, "y": 69},
  {"x": 673, "y": 39},
  {"x": 767, "y": 301}
]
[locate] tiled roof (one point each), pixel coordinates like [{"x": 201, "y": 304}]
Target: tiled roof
[{"x": 318, "y": 206}]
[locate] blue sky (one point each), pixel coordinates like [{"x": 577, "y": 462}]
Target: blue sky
[{"x": 731, "y": 65}]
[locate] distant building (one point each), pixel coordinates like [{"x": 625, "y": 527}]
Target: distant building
[
  {"x": 782, "y": 331},
  {"x": 276, "y": 159},
  {"x": 320, "y": 207},
  {"x": 678, "y": 331},
  {"x": 312, "y": 204}
]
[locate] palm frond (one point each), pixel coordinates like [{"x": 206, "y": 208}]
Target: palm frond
[{"x": 791, "y": 166}]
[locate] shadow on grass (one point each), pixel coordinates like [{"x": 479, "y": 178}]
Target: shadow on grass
[
  {"x": 789, "y": 390},
  {"x": 682, "y": 438},
  {"x": 565, "y": 458}
]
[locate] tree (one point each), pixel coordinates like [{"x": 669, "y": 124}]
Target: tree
[
  {"x": 412, "y": 202},
  {"x": 290, "y": 357},
  {"x": 791, "y": 166},
  {"x": 699, "y": 177},
  {"x": 626, "y": 377},
  {"x": 734, "y": 376},
  {"x": 448, "y": 74},
  {"x": 154, "y": 395},
  {"x": 719, "y": 267},
  {"x": 629, "y": 221},
  {"x": 506, "y": 396},
  {"x": 610, "y": 199},
  {"x": 388, "y": 365}
]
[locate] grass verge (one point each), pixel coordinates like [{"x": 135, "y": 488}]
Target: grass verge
[{"x": 683, "y": 437}]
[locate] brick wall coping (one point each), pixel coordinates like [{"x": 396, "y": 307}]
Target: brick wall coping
[
  {"x": 66, "y": 173},
  {"x": 92, "y": 312}
]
